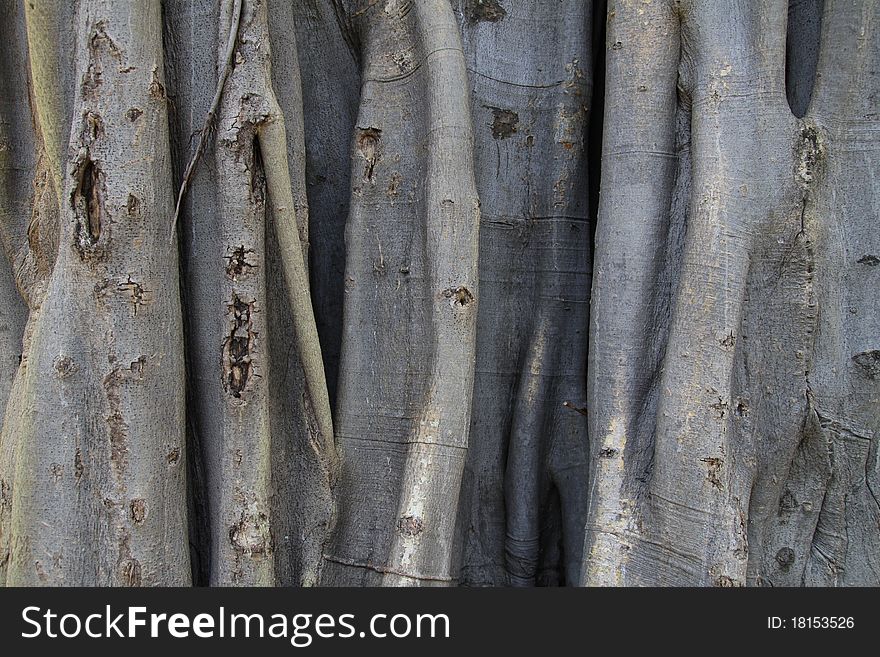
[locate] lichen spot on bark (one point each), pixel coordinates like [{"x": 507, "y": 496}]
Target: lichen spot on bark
[
  {"x": 368, "y": 149},
  {"x": 490, "y": 11},
  {"x": 504, "y": 122}
]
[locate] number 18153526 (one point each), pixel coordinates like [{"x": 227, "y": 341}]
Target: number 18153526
[{"x": 810, "y": 623}]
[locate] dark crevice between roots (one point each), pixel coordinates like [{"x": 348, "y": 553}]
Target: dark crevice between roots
[{"x": 802, "y": 52}]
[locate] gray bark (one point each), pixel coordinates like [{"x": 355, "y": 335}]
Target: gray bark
[
  {"x": 407, "y": 363},
  {"x": 394, "y": 336},
  {"x": 735, "y": 443},
  {"x": 524, "y": 499}
]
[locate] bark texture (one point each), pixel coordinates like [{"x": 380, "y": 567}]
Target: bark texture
[{"x": 394, "y": 335}]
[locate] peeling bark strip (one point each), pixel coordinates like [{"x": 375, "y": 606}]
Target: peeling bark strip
[
  {"x": 100, "y": 390},
  {"x": 410, "y": 308}
]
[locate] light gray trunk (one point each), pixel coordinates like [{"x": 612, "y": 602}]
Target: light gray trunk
[{"x": 735, "y": 442}]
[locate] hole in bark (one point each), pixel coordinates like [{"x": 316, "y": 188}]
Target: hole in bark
[
  {"x": 88, "y": 203},
  {"x": 870, "y": 260},
  {"x": 802, "y": 52}
]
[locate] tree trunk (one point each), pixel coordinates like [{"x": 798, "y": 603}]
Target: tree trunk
[{"x": 391, "y": 334}]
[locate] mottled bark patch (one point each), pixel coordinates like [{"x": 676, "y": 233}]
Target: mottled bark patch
[
  {"x": 116, "y": 424},
  {"x": 128, "y": 567},
  {"x": 133, "y": 206},
  {"x": 238, "y": 347},
  {"x": 78, "y": 466},
  {"x": 725, "y": 582},
  {"x": 720, "y": 407},
  {"x": 458, "y": 296},
  {"x": 393, "y": 190},
  {"x": 100, "y": 44},
  {"x": 136, "y": 294},
  {"x": 237, "y": 263},
  {"x": 713, "y": 471},
  {"x": 504, "y": 122},
  {"x": 728, "y": 341},
  {"x": 250, "y": 534},
  {"x": 810, "y": 154},
  {"x": 785, "y": 558},
  {"x": 368, "y": 149},
  {"x": 869, "y": 259},
  {"x": 138, "y": 508},
  {"x": 410, "y": 525},
  {"x": 490, "y": 11},
  {"x": 130, "y": 572},
  {"x": 64, "y": 366},
  {"x": 157, "y": 89},
  {"x": 869, "y": 361}
]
